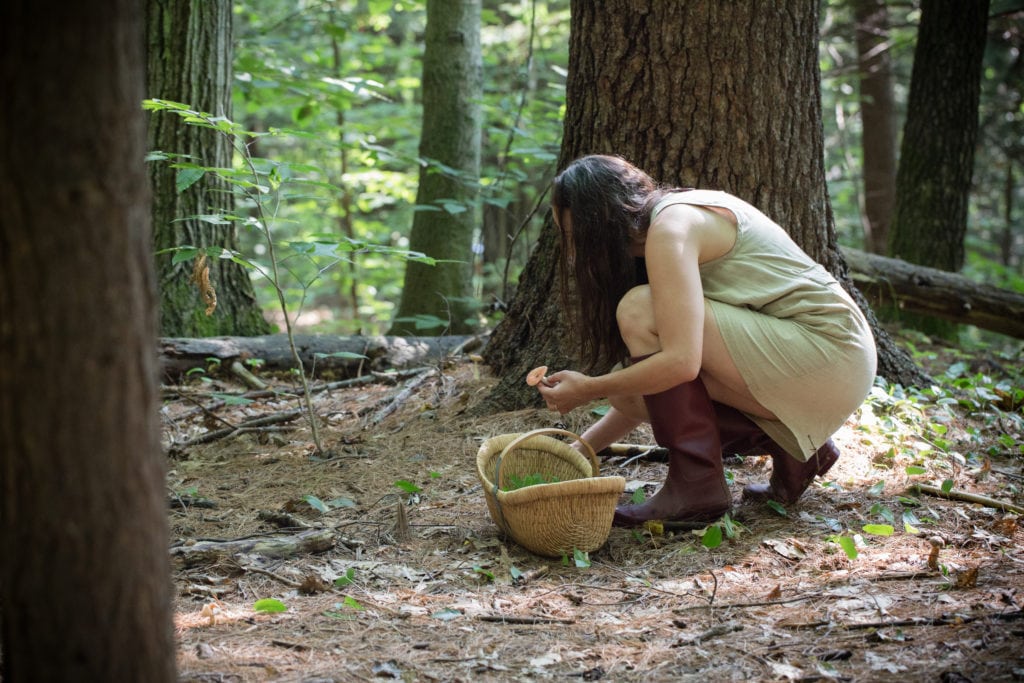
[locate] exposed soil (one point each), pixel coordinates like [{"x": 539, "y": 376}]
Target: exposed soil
[{"x": 418, "y": 586}]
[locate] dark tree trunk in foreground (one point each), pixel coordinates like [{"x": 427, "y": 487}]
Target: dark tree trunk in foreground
[
  {"x": 684, "y": 91},
  {"x": 189, "y": 61},
  {"x": 84, "y": 573},
  {"x": 937, "y": 153}
]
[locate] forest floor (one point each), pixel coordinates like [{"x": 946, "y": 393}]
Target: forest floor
[{"x": 386, "y": 563}]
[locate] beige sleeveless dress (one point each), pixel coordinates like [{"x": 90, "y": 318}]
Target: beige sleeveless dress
[{"x": 798, "y": 339}]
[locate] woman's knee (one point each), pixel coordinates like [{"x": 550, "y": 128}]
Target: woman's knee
[{"x": 635, "y": 317}]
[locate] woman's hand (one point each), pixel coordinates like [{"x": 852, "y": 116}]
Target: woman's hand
[{"x": 565, "y": 390}]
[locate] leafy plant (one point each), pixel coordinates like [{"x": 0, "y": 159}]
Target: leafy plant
[
  {"x": 516, "y": 482},
  {"x": 265, "y": 185}
]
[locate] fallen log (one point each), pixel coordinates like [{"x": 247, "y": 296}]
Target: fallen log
[
  {"x": 938, "y": 293},
  {"x": 347, "y": 356},
  {"x": 211, "y": 552}
]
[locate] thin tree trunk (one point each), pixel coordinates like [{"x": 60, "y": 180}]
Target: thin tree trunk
[
  {"x": 878, "y": 121},
  {"x": 189, "y": 61},
  {"x": 84, "y": 576},
  {"x": 443, "y": 226}
]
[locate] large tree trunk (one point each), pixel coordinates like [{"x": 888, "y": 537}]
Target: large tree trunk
[
  {"x": 450, "y": 146},
  {"x": 937, "y": 153},
  {"x": 189, "y": 61},
  {"x": 683, "y": 90},
  {"x": 878, "y": 120},
  {"x": 84, "y": 576}
]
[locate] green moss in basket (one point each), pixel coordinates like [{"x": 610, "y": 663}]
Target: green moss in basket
[{"x": 515, "y": 482}]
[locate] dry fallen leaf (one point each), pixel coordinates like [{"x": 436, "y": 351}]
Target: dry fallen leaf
[{"x": 967, "y": 578}]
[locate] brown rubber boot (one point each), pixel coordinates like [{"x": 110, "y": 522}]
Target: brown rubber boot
[
  {"x": 683, "y": 421},
  {"x": 790, "y": 477}
]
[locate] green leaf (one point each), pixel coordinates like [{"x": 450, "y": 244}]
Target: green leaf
[
  {"x": 316, "y": 503},
  {"x": 187, "y": 177},
  {"x": 515, "y": 573},
  {"x": 581, "y": 558},
  {"x": 486, "y": 573},
  {"x": 712, "y": 537},
  {"x": 916, "y": 469},
  {"x": 878, "y": 529},
  {"x": 407, "y": 486},
  {"x": 183, "y": 254},
  {"x": 849, "y": 546},
  {"x": 777, "y": 507},
  {"x": 947, "y": 486},
  {"x": 351, "y": 603},
  {"x": 347, "y": 578},
  {"x": 638, "y": 496},
  {"x": 269, "y": 605}
]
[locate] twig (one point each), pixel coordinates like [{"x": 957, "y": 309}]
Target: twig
[
  {"x": 276, "y": 418},
  {"x": 944, "y": 620},
  {"x": 712, "y": 632},
  {"x": 634, "y": 451},
  {"x": 965, "y": 496},
  {"x": 249, "y": 379},
  {"x": 511, "y": 619},
  {"x": 740, "y": 605},
  {"x": 276, "y": 577},
  {"x": 404, "y": 394}
]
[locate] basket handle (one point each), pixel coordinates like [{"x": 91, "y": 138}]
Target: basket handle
[{"x": 591, "y": 456}]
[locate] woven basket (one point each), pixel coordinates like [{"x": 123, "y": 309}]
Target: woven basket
[{"x": 574, "y": 513}]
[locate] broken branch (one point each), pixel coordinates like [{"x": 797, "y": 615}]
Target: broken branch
[{"x": 967, "y": 497}]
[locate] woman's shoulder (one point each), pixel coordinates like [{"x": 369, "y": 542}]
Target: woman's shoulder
[{"x": 697, "y": 197}]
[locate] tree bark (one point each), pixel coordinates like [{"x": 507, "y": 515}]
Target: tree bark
[
  {"x": 878, "y": 120},
  {"x": 936, "y": 293},
  {"x": 937, "y": 152},
  {"x": 683, "y": 90},
  {"x": 85, "y": 578},
  {"x": 450, "y": 149},
  {"x": 189, "y": 61}
]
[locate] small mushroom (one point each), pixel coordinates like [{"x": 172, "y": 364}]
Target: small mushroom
[{"x": 536, "y": 376}]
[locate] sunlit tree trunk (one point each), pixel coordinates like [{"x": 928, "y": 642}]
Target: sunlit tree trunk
[
  {"x": 446, "y": 215},
  {"x": 85, "y": 582},
  {"x": 189, "y": 61},
  {"x": 937, "y": 153},
  {"x": 683, "y": 90},
  {"x": 878, "y": 120}
]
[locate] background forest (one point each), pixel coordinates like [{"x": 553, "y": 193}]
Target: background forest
[
  {"x": 289, "y": 148},
  {"x": 333, "y": 89}
]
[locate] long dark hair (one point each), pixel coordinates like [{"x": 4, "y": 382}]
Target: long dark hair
[{"x": 610, "y": 202}]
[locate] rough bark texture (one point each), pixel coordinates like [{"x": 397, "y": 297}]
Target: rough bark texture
[
  {"x": 189, "y": 61},
  {"x": 937, "y": 152},
  {"x": 937, "y": 293},
  {"x": 443, "y": 229},
  {"x": 683, "y": 90},
  {"x": 84, "y": 574},
  {"x": 878, "y": 121}
]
